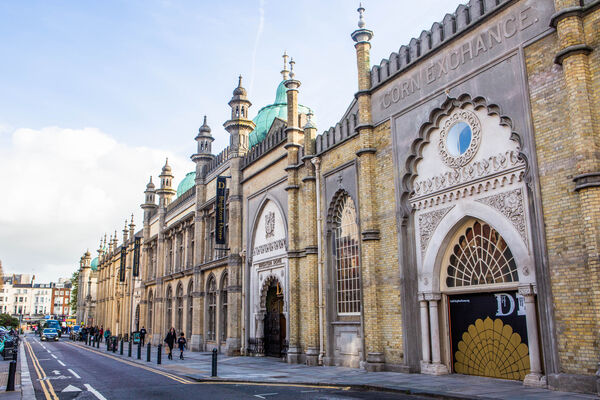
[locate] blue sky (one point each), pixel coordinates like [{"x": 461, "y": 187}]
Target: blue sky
[{"x": 84, "y": 81}]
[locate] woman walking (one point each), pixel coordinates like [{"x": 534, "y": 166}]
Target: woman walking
[
  {"x": 170, "y": 341},
  {"x": 181, "y": 342}
]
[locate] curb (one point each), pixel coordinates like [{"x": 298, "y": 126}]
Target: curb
[
  {"x": 27, "y": 391},
  {"x": 363, "y": 387}
]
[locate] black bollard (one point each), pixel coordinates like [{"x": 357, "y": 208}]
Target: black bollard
[
  {"x": 121, "y": 349},
  {"x": 12, "y": 371},
  {"x": 148, "y": 352},
  {"x": 159, "y": 355},
  {"x": 214, "y": 363},
  {"x": 98, "y": 343},
  {"x": 107, "y": 345},
  {"x": 129, "y": 349},
  {"x": 114, "y": 344},
  {"x": 15, "y": 352},
  {"x": 139, "y": 355}
]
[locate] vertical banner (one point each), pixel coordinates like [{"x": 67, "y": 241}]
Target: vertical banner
[
  {"x": 122, "y": 268},
  {"x": 136, "y": 256},
  {"x": 220, "y": 211}
]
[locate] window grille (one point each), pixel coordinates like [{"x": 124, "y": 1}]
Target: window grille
[
  {"x": 211, "y": 300},
  {"x": 179, "y": 309},
  {"x": 224, "y": 304},
  {"x": 480, "y": 256},
  {"x": 169, "y": 307},
  {"x": 347, "y": 258},
  {"x": 150, "y": 305},
  {"x": 190, "y": 300}
]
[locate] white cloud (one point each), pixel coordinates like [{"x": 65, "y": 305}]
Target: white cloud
[{"x": 63, "y": 188}]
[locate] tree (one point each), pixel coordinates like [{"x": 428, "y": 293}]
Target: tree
[
  {"x": 74, "y": 290},
  {"x": 8, "y": 321}
]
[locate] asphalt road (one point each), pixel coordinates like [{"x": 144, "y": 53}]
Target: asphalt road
[{"x": 61, "y": 370}]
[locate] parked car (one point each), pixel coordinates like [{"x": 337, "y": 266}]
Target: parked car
[{"x": 50, "y": 334}]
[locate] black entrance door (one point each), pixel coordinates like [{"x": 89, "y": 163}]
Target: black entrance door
[{"x": 274, "y": 321}]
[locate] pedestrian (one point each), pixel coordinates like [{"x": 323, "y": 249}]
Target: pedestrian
[
  {"x": 170, "y": 341},
  {"x": 143, "y": 335},
  {"x": 101, "y": 332},
  {"x": 181, "y": 343},
  {"x": 107, "y": 334}
]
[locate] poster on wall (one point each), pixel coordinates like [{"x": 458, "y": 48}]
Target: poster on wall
[
  {"x": 220, "y": 211},
  {"x": 488, "y": 334}
]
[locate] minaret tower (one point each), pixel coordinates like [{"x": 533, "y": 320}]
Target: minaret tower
[
  {"x": 131, "y": 229},
  {"x": 149, "y": 204},
  {"x": 165, "y": 192},
  {"x": 239, "y": 126},
  {"x": 204, "y": 154}
]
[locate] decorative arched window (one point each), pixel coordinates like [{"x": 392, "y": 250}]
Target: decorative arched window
[
  {"x": 346, "y": 256},
  {"x": 211, "y": 307},
  {"x": 169, "y": 300},
  {"x": 179, "y": 322},
  {"x": 223, "y": 330},
  {"x": 480, "y": 256},
  {"x": 150, "y": 306},
  {"x": 190, "y": 305}
]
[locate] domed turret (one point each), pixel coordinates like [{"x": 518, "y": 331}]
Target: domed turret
[
  {"x": 202, "y": 157},
  {"x": 165, "y": 192},
  {"x": 239, "y": 126},
  {"x": 149, "y": 203}
]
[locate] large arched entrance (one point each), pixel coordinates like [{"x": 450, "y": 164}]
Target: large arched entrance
[
  {"x": 274, "y": 321},
  {"x": 486, "y": 315}
]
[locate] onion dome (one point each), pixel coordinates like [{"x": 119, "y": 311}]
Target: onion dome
[
  {"x": 187, "y": 183},
  {"x": 94, "y": 264}
]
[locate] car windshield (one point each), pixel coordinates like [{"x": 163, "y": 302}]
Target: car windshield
[{"x": 49, "y": 330}]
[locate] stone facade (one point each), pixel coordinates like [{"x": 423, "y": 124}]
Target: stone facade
[{"x": 458, "y": 195}]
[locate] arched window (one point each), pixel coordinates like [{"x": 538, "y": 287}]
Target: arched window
[
  {"x": 480, "y": 256},
  {"x": 223, "y": 330},
  {"x": 179, "y": 322},
  {"x": 150, "y": 305},
  {"x": 190, "y": 305},
  {"x": 211, "y": 307},
  {"x": 346, "y": 256},
  {"x": 169, "y": 300},
  {"x": 137, "y": 317}
]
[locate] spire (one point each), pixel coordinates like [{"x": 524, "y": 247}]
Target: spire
[
  {"x": 292, "y": 63},
  {"x": 285, "y": 72},
  {"x": 131, "y": 228},
  {"x": 239, "y": 125},
  {"x": 361, "y": 34},
  {"x": 361, "y": 17}
]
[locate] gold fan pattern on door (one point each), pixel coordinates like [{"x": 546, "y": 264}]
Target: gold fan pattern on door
[{"x": 491, "y": 348}]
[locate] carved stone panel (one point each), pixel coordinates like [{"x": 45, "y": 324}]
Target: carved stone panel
[
  {"x": 427, "y": 223},
  {"x": 510, "y": 204}
]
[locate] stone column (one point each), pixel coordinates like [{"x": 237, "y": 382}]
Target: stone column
[
  {"x": 425, "y": 330},
  {"x": 436, "y": 367},
  {"x": 535, "y": 377}
]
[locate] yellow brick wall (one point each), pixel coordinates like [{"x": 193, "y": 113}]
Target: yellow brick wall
[{"x": 569, "y": 263}]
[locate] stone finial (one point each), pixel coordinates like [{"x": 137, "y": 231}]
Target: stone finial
[
  {"x": 361, "y": 17},
  {"x": 292, "y": 63},
  {"x": 309, "y": 122},
  {"x": 285, "y": 72}
]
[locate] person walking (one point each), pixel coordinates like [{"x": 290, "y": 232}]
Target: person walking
[
  {"x": 143, "y": 335},
  {"x": 170, "y": 341},
  {"x": 101, "y": 333},
  {"x": 181, "y": 343}
]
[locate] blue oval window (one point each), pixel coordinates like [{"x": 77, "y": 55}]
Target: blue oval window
[{"x": 459, "y": 139}]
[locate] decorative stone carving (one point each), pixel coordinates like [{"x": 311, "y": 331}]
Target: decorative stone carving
[
  {"x": 457, "y": 161},
  {"x": 269, "y": 224},
  {"x": 510, "y": 204},
  {"x": 427, "y": 223},
  {"x": 269, "y": 247},
  {"x": 477, "y": 169}
]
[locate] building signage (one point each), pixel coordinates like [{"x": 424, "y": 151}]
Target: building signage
[
  {"x": 122, "y": 268},
  {"x": 469, "y": 314},
  {"x": 220, "y": 211},
  {"x": 136, "y": 256},
  {"x": 495, "y": 37}
]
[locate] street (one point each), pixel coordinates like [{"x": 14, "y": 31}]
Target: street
[{"x": 63, "y": 370}]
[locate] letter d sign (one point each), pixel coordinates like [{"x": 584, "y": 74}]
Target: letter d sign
[{"x": 502, "y": 299}]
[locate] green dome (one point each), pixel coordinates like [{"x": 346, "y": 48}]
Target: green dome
[
  {"x": 266, "y": 115},
  {"x": 187, "y": 183},
  {"x": 95, "y": 264}
]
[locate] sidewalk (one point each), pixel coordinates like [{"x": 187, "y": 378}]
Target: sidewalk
[
  {"x": 23, "y": 385},
  {"x": 197, "y": 366}
]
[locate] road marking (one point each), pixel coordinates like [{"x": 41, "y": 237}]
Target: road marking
[
  {"x": 74, "y": 373},
  {"x": 47, "y": 387},
  {"x": 308, "y": 391},
  {"x": 166, "y": 374},
  {"x": 94, "y": 392},
  {"x": 54, "y": 356},
  {"x": 61, "y": 363},
  {"x": 71, "y": 388},
  {"x": 56, "y": 372},
  {"x": 210, "y": 382},
  {"x": 260, "y": 396}
]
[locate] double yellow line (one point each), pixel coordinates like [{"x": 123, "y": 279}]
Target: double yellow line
[
  {"x": 134, "y": 364},
  {"x": 44, "y": 383}
]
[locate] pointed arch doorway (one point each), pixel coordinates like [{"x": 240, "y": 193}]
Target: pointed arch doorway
[{"x": 274, "y": 321}]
